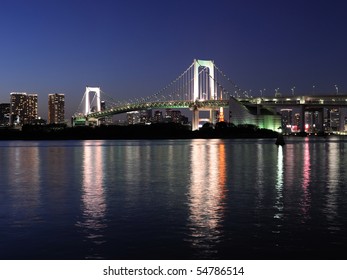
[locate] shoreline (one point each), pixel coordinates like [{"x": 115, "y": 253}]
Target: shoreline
[
  {"x": 114, "y": 132},
  {"x": 143, "y": 132}
]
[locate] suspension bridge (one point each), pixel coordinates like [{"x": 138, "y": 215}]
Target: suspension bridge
[
  {"x": 201, "y": 87},
  {"x": 204, "y": 87}
]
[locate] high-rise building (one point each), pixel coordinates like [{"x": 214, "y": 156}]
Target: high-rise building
[
  {"x": 31, "y": 108},
  {"x": 17, "y": 107},
  {"x": 56, "y": 108},
  {"x": 23, "y": 108}
]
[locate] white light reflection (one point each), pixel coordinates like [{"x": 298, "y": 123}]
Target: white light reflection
[
  {"x": 93, "y": 198},
  {"x": 260, "y": 176},
  {"x": 278, "y": 216},
  {"x": 206, "y": 195},
  {"x": 332, "y": 184}
]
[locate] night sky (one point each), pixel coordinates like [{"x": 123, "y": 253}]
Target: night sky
[{"x": 134, "y": 48}]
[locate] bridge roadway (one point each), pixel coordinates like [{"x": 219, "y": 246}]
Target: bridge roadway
[
  {"x": 307, "y": 102},
  {"x": 316, "y": 101},
  {"x": 197, "y": 105}
]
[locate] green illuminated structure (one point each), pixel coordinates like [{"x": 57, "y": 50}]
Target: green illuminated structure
[{"x": 256, "y": 114}]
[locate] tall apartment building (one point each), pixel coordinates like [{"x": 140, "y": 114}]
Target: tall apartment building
[
  {"x": 56, "y": 108},
  {"x": 23, "y": 108}
]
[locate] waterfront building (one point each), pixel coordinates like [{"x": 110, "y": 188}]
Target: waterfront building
[
  {"x": 158, "y": 117},
  {"x": 145, "y": 116},
  {"x": 139, "y": 117},
  {"x": 173, "y": 116},
  {"x": 23, "y": 108},
  {"x": 334, "y": 119},
  {"x": 296, "y": 123},
  {"x": 56, "y": 108},
  {"x": 312, "y": 121},
  {"x": 286, "y": 120},
  {"x": 133, "y": 117},
  {"x": 31, "y": 107},
  {"x": 4, "y": 114}
]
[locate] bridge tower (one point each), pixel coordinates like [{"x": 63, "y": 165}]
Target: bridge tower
[
  {"x": 94, "y": 102},
  {"x": 199, "y": 86}
]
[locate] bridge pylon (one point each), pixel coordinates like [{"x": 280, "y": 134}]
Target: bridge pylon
[
  {"x": 204, "y": 89},
  {"x": 93, "y": 104}
]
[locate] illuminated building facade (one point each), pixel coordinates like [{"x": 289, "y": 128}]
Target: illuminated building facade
[
  {"x": 23, "y": 108},
  {"x": 334, "y": 119},
  {"x": 145, "y": 116},
  {"x": 173, "y": 116},
  {"x": 312, "y": 121},
  {"x": 4, "y": 114},
  {"x": 133, "y": 117},
  {"x": 158, "y": 117},
  {"x": 286, "y": 120},
  {"x": 56, "y": 108},
  {"x": 296, "y": 123}
]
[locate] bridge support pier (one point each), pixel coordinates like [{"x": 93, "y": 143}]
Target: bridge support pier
[{"x": 195, "y": 119}]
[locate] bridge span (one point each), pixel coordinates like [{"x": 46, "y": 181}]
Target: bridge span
[
  {"x": 198, "y": 88},
  {"x": 204, "y": 87}
]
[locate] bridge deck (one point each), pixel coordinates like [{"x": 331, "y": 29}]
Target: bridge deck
[{"x": 199, "y": 105}]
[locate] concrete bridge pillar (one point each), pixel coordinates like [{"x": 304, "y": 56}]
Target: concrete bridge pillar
[{"x": 195, "y": 119}]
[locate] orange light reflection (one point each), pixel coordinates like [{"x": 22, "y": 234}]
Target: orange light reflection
[{"x": 207, "y": 192}]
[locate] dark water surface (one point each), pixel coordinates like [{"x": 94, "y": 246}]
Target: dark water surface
[{"x": 173, "y": 199}]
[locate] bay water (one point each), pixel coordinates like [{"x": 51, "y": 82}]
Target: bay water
[{"x": 174, "y": 199}]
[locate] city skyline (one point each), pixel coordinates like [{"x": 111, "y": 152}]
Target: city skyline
[{"x": 134, "y": 49}]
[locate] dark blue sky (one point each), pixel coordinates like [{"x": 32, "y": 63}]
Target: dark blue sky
[{"x": 134, "y": 48}]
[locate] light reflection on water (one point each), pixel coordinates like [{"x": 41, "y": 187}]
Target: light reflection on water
[
  {"x": 306, "y": 182},
  {"x": 333, "y": 173},
  {"x": 278, "y": 215},
  {"x": 94, "y": 207},
  {"x": 190, "y": 198},
  {"x": 206, "y": 194}
]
